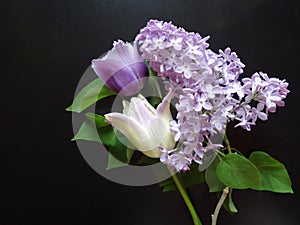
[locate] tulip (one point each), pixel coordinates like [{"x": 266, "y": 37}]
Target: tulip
[
  {"x": 146, "y": 128},
  {"x": 122, "y": 69}
]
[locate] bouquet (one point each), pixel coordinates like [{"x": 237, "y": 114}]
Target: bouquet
[{"x": 173, "y": 98}]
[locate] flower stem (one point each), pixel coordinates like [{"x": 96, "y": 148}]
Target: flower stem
[
  {"x": 226, "y": 190},
  {"x": 227, "y": 143},
  {"x": 214, "y": 217},
  {"x": 187, "y": 200}
]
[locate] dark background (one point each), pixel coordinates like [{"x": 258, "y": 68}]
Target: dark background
[{"x": 47, "y": 45}]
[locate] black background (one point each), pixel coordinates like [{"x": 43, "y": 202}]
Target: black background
[{"x": 47, "y": 45}]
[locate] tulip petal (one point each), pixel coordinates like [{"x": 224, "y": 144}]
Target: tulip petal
[
  {"x": 155, "y": 153},
  {"x": 140, "y": 110},
  {"x": 105, "y": 68},
  {"x": 120, "y": 56},
  {"x": 127, "y": 80},
  {"x": 160, "y": 133},
  {"x": 133, "y": 131},
  {"x": 164, "y": 113},
  {"x": 122, "y": 69},
  {"x": 163, "y": 109},
  {"x": 126, "y": 51},
  {"x": 126, "y": 107}
]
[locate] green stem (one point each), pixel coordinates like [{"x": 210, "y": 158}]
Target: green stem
[
  {"x": 226, "y": 140},
  {"x": 226, "y": 190},
  {"x": 187, "y": 200}
]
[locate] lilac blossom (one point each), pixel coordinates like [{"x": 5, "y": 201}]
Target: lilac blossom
[{"x": 207, "y": 89}]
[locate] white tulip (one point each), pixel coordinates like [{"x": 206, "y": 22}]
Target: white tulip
[{"x": 144, "y": 126}]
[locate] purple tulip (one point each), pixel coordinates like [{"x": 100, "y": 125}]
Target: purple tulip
[{"x": 122, "y": 69}]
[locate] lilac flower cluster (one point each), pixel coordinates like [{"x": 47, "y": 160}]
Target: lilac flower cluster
[{"x": 207, "y": 89}]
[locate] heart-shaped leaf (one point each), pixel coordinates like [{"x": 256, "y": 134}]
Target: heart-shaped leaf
[
  {"x": 89, "y": 95},
  {"x": 273, "y": 174},
  {"x": 211, "y": 178},
  {"x": 236, "y": 171}
]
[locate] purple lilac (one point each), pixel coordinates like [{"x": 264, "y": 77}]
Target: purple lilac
[{"x": 207, "y": 89}]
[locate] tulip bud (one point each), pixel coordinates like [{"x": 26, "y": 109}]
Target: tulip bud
[
  {"x": 145, "y": 127},
  {"x": 122, "y": 69}
]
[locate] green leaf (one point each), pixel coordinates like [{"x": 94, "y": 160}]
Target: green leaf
[
  {"x": 236, "y": 171},
  {"x": 114, "y": 163},
  {"x": 167, "y": 182},
  {"x": 273, "y": 174},
  {"x": 119, "y": 154},
  {"x": 207, "y": 159},
  {"x": 211, "y": 178},
  {"x": 155, "y": 101},
  {"x": 87, "y": 131},
  {"x": 89, "y": 95},
  {"x": 153, "y": 82},
  {"x": 119, "y": 158},
  {"x": 228, "y": 203},
  {"x": 151, "y": 72},
  {"x": 145, "y": 160},
  {"x": 169, "y": 187},
  {"x": 95, "y": 130},
  {"x": 188, "y": 179},
  {"x": 107, "y": 136},
  {"x": 99, "y": 119}
]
